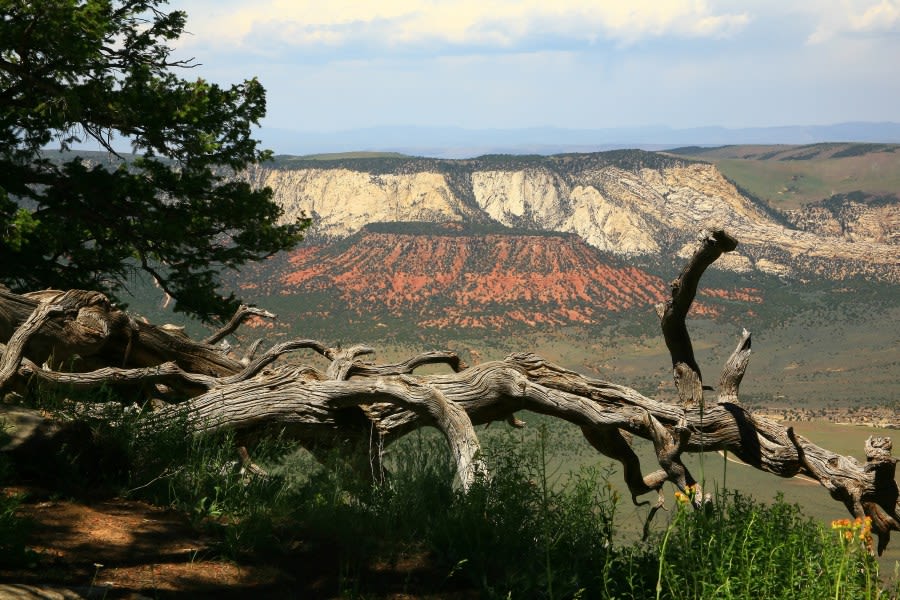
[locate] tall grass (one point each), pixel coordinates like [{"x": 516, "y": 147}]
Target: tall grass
[
  {"x": 740, "y": 548},
  {"x": 527, "y": 530},
  {"x": 524, "y": 531}
]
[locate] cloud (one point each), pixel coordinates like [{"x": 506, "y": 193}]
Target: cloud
[
  {"x": 881, "y": 17},
  {"x": 438, "y": 25},
  {"x": 338, "y": 64},
  {"x": 865, "y": 17}
]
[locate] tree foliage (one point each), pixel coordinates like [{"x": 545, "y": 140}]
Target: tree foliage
[{"x": 96, "y": 70}]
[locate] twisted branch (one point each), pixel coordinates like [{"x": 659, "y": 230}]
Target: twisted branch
[{"x": 353, "y": 399}]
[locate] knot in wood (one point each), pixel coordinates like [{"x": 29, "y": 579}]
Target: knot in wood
[
  {"x": 94, "y": 322},
  {"x": 878, "y": 449}
]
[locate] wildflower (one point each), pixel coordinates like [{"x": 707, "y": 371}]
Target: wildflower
[
  {"x": 688, "y": 497},
  {"x": 860, "y": 527},
  {"x": 840, "y": 524},
  {"x": 865, "y": 532}
]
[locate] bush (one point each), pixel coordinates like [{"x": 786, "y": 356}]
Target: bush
[
  {"x": 739, "y": 548},
  {"x": 524, "y": 531}
]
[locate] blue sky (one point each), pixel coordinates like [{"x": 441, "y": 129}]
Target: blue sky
[{"x": 332, "y": 65}]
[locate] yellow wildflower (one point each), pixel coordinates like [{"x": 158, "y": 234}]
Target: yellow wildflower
[
  {"x": 860, "y": 527},
  {"x": 688, "y": 497},
  {"x": 840, "y": 524}
]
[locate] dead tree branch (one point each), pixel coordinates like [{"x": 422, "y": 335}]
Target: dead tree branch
[
  {"x": 243, "y": 312},
  {"x": 360, "y": 400}
]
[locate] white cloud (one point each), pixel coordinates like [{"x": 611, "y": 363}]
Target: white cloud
[
  {"x": 400, "y": 24},
  {"x": 857, "y": 17},
  {"x": 337, "y": 64},
  {"x": 881, "y": 17}
]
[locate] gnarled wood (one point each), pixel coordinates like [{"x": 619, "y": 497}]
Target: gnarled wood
[
  {"x": 733, "y": 371},
  {"x": 673, "y": 314},
  {"x": 102, "y": 335},
  {"x": 360, "y": 400},
  {"x": 12, "y": 354},
  {"x": 243, "y": 313}
]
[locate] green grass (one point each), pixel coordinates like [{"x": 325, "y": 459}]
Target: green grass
[
  {"x": 737, "y": 548},
  {"x": 788, "y": 177},
  {"x": 545, "y": 524},
  {"x": 534, "y": 529}
]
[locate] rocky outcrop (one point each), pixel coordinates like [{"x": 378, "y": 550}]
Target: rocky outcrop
[
  {"x": 450, "y": 277},
  {"x": 853, "y": 217},
  {"x": 541, "y": 199},
  {"x": 629, "y": 204},
  {"x": 342, "y": 201}
]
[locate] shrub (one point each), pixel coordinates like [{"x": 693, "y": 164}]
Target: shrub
[{"x": 740, "y": 548}]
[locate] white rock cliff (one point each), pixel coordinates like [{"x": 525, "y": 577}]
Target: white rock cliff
[{"x": 629, "y": 212}]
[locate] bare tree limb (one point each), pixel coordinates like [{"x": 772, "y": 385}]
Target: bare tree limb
[
  {"x": 734, "y": 370},
  {"x": 243, "y": 312},
  {"x": 12, "y": 354},
  {"x": 169, "y": 372},
  {"x": 380, "y": 403},
  {"x": 673, "y": 313},
  {"x": 342, "y": 361},
  {"x": 433, "y": 357}
]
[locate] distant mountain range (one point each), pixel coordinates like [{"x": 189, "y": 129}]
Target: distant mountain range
[{"x": 457, "y": 142}]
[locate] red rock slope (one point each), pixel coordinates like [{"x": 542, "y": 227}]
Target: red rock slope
[{"x": 455, "y": 279}]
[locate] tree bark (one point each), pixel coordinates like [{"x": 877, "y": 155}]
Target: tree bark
[{"x": 367, "y": 401}]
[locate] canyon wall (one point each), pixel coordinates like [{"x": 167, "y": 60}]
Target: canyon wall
[{"x": 642, "y": 206}]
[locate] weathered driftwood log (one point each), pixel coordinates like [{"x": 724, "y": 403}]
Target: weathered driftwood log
[{"x": 380, "y": 403}]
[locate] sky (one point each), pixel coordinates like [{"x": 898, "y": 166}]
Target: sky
[{"x": 334, "y": 65}]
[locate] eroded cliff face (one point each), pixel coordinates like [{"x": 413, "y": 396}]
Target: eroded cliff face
[
  {"x": 542, "y": 199},
  {"x": 342, "y": 201},
  {"x": 452, "y": 278},
  {"x": 855, "y": 219},
  {"x": 629, "y": 211}
]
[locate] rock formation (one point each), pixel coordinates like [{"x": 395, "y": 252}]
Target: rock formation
[{"x": 628, "y": 203}]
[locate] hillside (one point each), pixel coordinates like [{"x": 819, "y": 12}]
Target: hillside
[
  {"x": 448, "y": 276},
  {"x": 791, "y": 177},
  {"x": 573, "y": 251},
  {"x": 853, "y": 216},
  {"x": 634, "y": 204}
]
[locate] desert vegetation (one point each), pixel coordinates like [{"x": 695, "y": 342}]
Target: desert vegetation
[
  {"x": 529, "y": 530},
  {"x": 532, "y": 528}
]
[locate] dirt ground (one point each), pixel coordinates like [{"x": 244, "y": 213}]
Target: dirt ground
[{"x": 129, "y": 549}]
